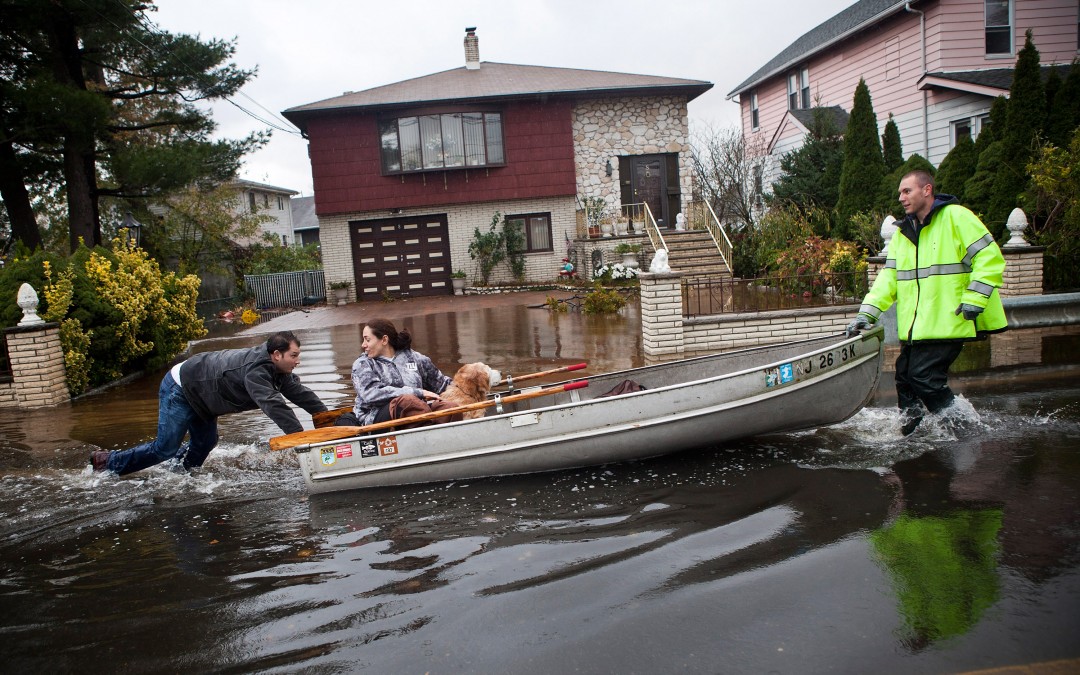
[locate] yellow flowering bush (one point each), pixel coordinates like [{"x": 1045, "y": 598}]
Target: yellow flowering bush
[
  {"x": 118, "y": 313},
  {"x": 249, "y": 316}
]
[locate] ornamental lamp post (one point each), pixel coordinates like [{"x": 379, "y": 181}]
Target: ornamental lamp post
[{"x": 133, "y": 228}]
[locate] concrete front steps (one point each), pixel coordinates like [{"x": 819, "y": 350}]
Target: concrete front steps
[{"x": 693, "y": 253}]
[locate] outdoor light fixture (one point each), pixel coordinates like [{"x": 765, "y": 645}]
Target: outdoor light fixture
[
  {"x": 133, "y": 229},
  {"x": 607, "y": 168}
]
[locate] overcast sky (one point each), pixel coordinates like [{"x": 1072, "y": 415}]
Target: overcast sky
[{"x": 318, "y": 49}]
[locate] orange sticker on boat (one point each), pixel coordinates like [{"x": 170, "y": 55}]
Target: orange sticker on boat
[{"x": 388, "y": 445}]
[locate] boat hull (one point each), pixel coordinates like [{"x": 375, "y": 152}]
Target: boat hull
[{"x": 686, "y": 404}]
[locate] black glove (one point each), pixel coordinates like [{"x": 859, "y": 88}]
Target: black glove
[
  {"x": 860, "y": 323},
  {"x": 970, "y": 311}
]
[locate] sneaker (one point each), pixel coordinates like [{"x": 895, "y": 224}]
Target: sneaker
[{"x": 99, "y": 460}]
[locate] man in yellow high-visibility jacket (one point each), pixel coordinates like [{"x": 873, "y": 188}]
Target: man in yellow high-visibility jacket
[{"x": 943, "y": 272}]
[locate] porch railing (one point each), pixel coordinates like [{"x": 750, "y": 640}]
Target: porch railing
[
  {"x": 702, "y": 217},
  {"x": 704, "y": 297},
  {"x": 286, "y": 289}
]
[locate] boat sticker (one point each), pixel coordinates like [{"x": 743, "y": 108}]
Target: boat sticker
[
  {"x": 388, "y": 445},
  {"x": 344, "y": 450},
  {"x": 327, "y": 457},
  {"x": 779, "y": 375},
  {"x": 369, "y": 448}
]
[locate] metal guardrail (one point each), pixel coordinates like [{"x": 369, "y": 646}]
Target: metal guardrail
[
  {"x": 286, "y": 289},
  {"x": 652, "y": 229},
  {"x": 704, "y": 297},
  {"x": 702, "y": 217}
]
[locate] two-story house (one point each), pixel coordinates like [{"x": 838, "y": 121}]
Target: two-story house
[
  {"x": 935, "y": 65},
  {"x": 405, "y": 173},
  {"x": 265, "y": 200}
]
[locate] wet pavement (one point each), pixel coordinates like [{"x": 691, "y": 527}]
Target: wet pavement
[{"x": 842, "y": 549}]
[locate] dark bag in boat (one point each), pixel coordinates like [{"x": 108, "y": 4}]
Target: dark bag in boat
[{"x": 624, "y": 387}]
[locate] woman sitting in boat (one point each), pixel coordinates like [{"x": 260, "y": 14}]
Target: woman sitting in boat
[{"x": 392, "y": 380}]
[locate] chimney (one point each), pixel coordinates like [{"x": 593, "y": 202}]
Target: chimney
[{"x": 472, "y": 49}]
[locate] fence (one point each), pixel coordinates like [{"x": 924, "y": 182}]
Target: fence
[
  {"x": 705, "y": 297},
  {"x": 286, "y": 288}
]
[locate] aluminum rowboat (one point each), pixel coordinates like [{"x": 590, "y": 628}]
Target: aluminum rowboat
[{"x": 687, "y": 403}]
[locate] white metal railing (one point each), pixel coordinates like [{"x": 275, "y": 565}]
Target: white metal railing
[
  {"x": 286, "y": 288},
  {"x": 703, "y": 217}
]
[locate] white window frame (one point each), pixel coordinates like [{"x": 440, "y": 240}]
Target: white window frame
[
  {"x": 755, "y": 118},
  {"x": 804, "y": 87},
  {"x": 974, "y": 122},
  {"x": 1011, "y": 27},
  {"x": 793, "y": 91}
]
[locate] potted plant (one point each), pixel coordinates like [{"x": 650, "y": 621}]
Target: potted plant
[
  {"x": 458, "y": 280},
  {"x": 629, "y": 254},
  {"x": 340, "y": 289}
]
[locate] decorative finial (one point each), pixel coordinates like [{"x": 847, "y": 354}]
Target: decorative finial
[
  {"x": 888, "y": 228},
  {"x": 1017, "y": 223},
  {"x": 28, "y": 301}
]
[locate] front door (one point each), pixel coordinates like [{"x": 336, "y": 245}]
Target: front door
[
  {"x": 649, "y": 185},
  {"x": 400, "y": 257}
]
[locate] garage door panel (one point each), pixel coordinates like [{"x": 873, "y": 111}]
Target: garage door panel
[{"x": 401, "y": 256}]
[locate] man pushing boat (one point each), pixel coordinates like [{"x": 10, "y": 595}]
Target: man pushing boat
[{"x": 195, "y": 392}]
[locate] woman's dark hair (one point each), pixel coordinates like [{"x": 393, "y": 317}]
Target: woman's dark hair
[
  {"x": 398, "y": 339},
  {"x": 280, "y": 342}
]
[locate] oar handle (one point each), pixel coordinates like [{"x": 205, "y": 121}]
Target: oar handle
[
  {"x": 510, "y": 379},
  {"x": 333, "y": 433}
]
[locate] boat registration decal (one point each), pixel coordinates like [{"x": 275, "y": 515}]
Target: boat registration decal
[
  {"x": 388, "y": 445},
  {"x": 369, "y": 448},
  {"x": 344, "y": 450},
  {"x": 327, "y": 457},
  {"x": 778, "y": 375}
]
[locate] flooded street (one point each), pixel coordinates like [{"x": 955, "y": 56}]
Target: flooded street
[{"x": 843, "y": 549}]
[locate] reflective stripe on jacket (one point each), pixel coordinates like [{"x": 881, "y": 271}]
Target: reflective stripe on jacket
[{"x": 935, "y": 267}]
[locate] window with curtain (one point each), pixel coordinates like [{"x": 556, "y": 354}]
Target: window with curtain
[
  {"x": 754, "y": 120},
  {"x": 537, "y": 228},
  {"x": 793, "y": 91},
  {"x": 441, "y": 141},
  {"x": 804, "y": 88},
  {"x": 999, "y": 37}
]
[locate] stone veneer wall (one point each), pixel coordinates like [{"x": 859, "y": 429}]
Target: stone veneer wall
[
  {"x": 605, "y": 129},
  {"x": 37, "y": 367},
  {"x": 662, "y": 313},
  {"x": 462, "y": 220}
]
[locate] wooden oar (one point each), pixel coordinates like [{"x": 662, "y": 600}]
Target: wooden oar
[
  {"x": 334, "y": 433},
  {"x": 509, "y": 380},
  {"x": 328, "y": 417}
]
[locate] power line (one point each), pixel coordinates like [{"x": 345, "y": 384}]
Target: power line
[{"x": 150, "y": 27}]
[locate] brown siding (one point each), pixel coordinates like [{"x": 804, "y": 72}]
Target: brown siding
[{"x": 347, "y": 175}]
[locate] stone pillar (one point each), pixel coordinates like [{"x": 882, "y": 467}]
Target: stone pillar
[
  {"x": 874, "y": 264},
  {"x": 38, "y": 377},
  {"x": 1023, "y": 262},
  {"x": 662, "y": 313}
]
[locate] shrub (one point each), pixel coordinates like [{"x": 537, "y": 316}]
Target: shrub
[
  {"x": 118, "y": 313},
  {"x": 615, "y": 273},
  {"x": 602, "y": 301},
  {"x": 488, "y": 248},
  {"x": 555, "y": 305}
]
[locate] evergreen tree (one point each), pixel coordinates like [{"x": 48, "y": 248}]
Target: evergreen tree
[
  {"x": 1024, "y": 120},
  {"x": 1064, "y": 108},
  {"x": 811, "y": 174},
  {"x": 980, "y": 186},
  {"x": 891, "y": 149},
  {"x": 102, "y": 104},
  {"x": 957, "y": 167},
  {"x": 864, "y": 167}
]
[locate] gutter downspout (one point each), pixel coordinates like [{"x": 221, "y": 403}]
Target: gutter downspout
[{"x": 925, "y": 93}]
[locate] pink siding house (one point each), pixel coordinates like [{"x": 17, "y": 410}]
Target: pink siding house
[{"x": 935, "y": 65}]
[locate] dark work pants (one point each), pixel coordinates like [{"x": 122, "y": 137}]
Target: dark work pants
[{"x": 922, "y": 376}]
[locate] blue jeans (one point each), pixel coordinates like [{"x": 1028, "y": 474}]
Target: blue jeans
[{"x": 175, "y": 418}]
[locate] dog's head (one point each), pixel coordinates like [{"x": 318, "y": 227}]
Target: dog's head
[{"x": 475, "y": 380}]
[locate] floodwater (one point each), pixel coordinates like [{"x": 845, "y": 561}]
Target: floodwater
[{"x": 845, "y": 549}]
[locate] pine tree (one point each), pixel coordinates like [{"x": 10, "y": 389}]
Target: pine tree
[
  {"x": 1064, "y": 115},
  {"x": 988, "y": 151},
  {"x": 888, "y": 193},
  {"x": 864, "y": 166},
  {"x": 957, "y": 167},
  {"x": 102, "y": 103},
  {"x": 811, "y": 174},
  {"x": 891, "y": 149},
  {"x": 1025, "y": 119}
]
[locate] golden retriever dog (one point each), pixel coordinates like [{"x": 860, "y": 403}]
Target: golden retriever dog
[{"x": 471, "y": 384}]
